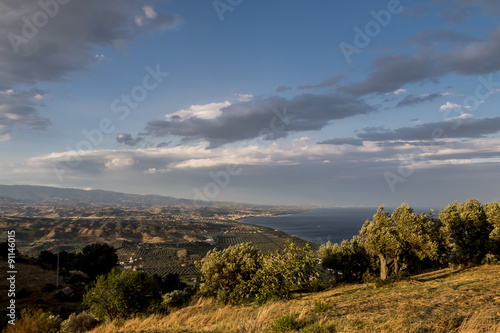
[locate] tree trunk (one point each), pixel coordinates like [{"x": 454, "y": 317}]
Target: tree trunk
[
  {"x": 396, "y": 265},
  {"x": 383, "y": 267}
]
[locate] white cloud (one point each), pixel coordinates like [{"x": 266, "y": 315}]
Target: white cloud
[
  {"x": 206, "y": 111},
  {"x": 149, "y": 12},
  {"x": 449, "y": 106},
  {"x": 466, "y": 116},
  {"x": 119, "y": 163},
  {"x": 298, "y": 152},
  {"x": 139, "y": 21},
  {"x": 152, "y": 171},
  {"x": 399, "y": 91},
  {"x": 242, "y": 97}
]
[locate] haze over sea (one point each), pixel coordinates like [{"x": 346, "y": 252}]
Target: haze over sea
[{"x": 322, "y": 225}]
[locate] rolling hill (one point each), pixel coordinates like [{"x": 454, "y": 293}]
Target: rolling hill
[{"x": 66, "y": 197}]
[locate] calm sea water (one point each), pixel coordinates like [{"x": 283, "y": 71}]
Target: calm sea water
[{"x": 319, "y": 225}]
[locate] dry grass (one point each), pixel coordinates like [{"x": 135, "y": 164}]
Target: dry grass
[{"x": 442, "y": 301}]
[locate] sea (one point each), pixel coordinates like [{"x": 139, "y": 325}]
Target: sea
[
  {"x": 324, "y": 224},
  {"x": 319, "y": 225}
]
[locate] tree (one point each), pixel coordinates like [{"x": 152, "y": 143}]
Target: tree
[
  {"x": 97, "y": 259},
  {"x": 349, "y": 260},
  {"x": 169, "y": 283},
  {"x": 281, "y": 272},
  {"x": 492, "y": 211},
  {"x": 47, "y": 259},
  {"x": 413, "y": 236},
  {"x": 122, "y": 294},
  {"x": 396, "y": 238},
  {"x": 379, "y": 238},
  {"x": 225, "y": 272},
  {"x": 437, "y": 235},
  {"x": 468, "y": 231}
]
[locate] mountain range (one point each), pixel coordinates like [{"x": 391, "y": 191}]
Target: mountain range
[{"x": 67, "y": 197}]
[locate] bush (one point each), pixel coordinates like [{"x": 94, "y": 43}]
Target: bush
[
  {"x": 79, "y": 323},
  {"x": 287, "y": 323},
  {"x": 349, "y": 260},
  {"x": 169, "y": 283},
  {"x": 97, "y": 259},
  {"x": 491, "y": 259},
  {"x": 35, "y": 321},
  {"x": 321, "y": 306},
  {"x": 226, "y": 273},
  {"x": 315, "y": 286},
  {"x": 176, "y": 299},
  {"x": 284, "y": 271},
  {"x": 391, "y": 279},
  {"x": 468, "y": 232},
  {"x": 122, "y": 294}
]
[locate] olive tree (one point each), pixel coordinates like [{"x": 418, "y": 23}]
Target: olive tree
[
  {"x": 379, "y": 238},
  {"x": 96, "y": 259},
  {"x": 468, "y": 231},
  {"x": 413, "y": 234},
  {"x": 283, "y": 271},
  {"x": 349, "y": 260},
  {"x": 396, "y": 237},
  {"x": 122, "y": 294},
  {"x": 492, "y": 211},
  {"x": 225, "y": 272}
]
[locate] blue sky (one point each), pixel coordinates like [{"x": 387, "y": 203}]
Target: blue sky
[{"x": 280, "y": 102}]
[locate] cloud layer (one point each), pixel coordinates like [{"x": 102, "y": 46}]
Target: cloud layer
[
  {"x": 47, "y": 40},
  {"x": 393, "y": 71},
  {"x": 270, "y": 118}
]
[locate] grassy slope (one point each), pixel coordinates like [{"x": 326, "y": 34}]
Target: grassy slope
[{"x": 441, "y": 301}]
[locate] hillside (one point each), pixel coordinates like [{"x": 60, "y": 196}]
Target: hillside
[
  {"x": 69, "y": 197},
  {"x": 440, "y": 301},
  {"x": 44, "y": 195}
]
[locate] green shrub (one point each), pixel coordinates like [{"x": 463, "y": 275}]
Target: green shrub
[
  {"x": 225, "y": 273},
  {"x": 35, "y": 321},
  {"x": 316, "y": 285},
  {"x": 176, "y": 299},
  {"x": 79, "y": 323},
  {"x": 321, "y": 306},
  {"x": 284, "y": 271},
  {"x": 491, "y": 259},
  {"x": 122, "y": 294},
  {"x": 287, "y": 323},
  {"x": 391, "y": 279},
  {"x": 348, "y": 261}
]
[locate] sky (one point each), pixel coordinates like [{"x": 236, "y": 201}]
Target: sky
[{"x": 335, "y": 103}]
